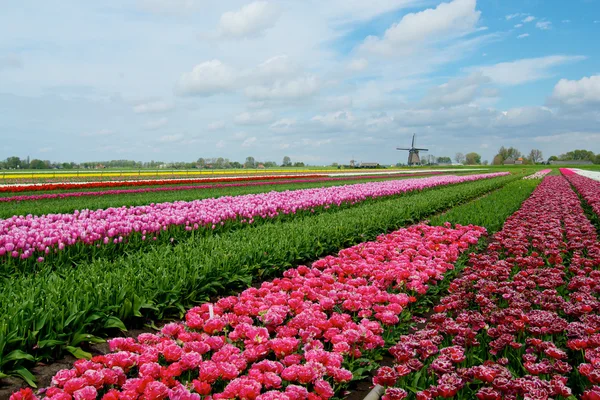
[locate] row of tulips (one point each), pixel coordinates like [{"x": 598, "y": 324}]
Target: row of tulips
[
  {"x": 294, "y": 338},
  {"x": 29, "y": 236},
  {"x": 45, "y": 187},
  {"x": 595, "y": 175},
  {"x": 538, "y": 175},
  {"x": 270, "y": 182},
  {"x": 521, "y": 322},
  {"x": 587, "y": 187}
]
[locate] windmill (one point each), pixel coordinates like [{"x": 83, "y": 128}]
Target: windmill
[{"x": 413, "y": 153}]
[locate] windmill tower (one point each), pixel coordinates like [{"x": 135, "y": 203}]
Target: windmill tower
[{"x": 413, "y": 153}]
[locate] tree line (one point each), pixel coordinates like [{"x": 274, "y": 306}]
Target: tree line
[
  {"x": 535, "y": 156},
  {"x": 15, "y": 162}
]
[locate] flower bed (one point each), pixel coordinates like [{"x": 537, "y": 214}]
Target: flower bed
[
  {"x": 298, "y": 337},
  {"x": 539, "y": 175},
  {"x": 270, "y": 182},
  {"x": 31, "y": 236},
  {"x": 46, "y": 187},
  {"x": 521, "y": 322},
  {"x": 587, "y": 187}
]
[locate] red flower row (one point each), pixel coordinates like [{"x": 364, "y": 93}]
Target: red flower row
[
  {"x": 44, "y": 187},
  {"x": 294, "y": 338},
  {"x": 274, "y": 181},
  {"x": 514, "y": 322}
]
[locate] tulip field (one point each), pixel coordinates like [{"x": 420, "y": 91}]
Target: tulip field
[{"x": 463, "y": 286}]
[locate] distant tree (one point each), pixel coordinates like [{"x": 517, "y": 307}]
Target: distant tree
[
  {"x": 597, "y": 159},
  {"x": 472, "y": 159},
  {"x": 235, "y": 164},
  {"x": 535, "y": 156},
  {"x": 270, "y": 164},
  {"x": 578, "y": 155},
  {"x": 444, "y": 160},
  {"x": 37, "y": 164},
  {"x": 498, "y": 160},
  {"x": 459, "y": 158},
  {"x": 287, "y": 162},
  {"x": 13, "y": 162},
  {"x": 552, "y": 158},
  {"x": 511, "y": 152},
  {"x": 299, "y": 164},
  {"x": 486, "y": 162},
  {"x": 250, "y": 162},
  {"x": 201, "y": 162}
]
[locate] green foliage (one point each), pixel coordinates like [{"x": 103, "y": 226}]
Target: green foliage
[
  {"x": 491, "y": 210},
  {"x": 60, "y": 309}
]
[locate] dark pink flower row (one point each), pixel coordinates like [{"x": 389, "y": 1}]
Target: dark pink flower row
[
  {"x": 516, "y": 322},
  {"x": 293, "y": 338},
  {"x": 588, "y": 188}
]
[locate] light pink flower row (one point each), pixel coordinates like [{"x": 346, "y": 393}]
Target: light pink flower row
[
  {"x": 23, "y": 237},
  {"x": 288, "y": 339},
  {"x": 539, "y": 175}
]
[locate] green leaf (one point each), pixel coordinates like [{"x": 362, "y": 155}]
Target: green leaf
[
  {"x": 114, "y": 322},
  {"x": 85, "y": 337},
  {"x": 78, "y": 352},
  {"x": 17, "y": 355},
  {"x": 26, "y": 375},
  {"x": 49, "y": 343}
]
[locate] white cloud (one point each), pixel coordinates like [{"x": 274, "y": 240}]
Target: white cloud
[
  {"x": 249, "y": 142},
  {"x": 566, "y": 21},
  {"x": 11, "y": 61},
  {"x": 152, "y": 107},
  {"x": 170, "y": 138},
  {"x": 574, "y": 93},
  {"x": 215, "y": 126},
  {"x": 285, "y": 89},
  {"x": 220, "y": 144},
  {"x": 524, "y": 70},
  {"x": 169, "y": 6},
  {"x": 99, "y": 133},
  {"x": 45, "y": 150},
  {"x": 250, "y": 20},
  {"x": 206, "y": 79},
  {"x": 338, "y": 103},
  {"x": 531, "y": 18},
  {"x": 283, "y": 124},
  {"x": 458, "y": 91},
  {"x": 523, "y": 36},
  {"x": 155, "y": 124},
  {"x": 446, "y": 21},
  {"x": 276, "y": 67},
  {"x": 358, "y": 65},
  {"x": 518, "y": 25},
  {"x": 512, "y": 16},
  {"x": 339, "y": 119},
  {"x": 544, "y": 25},
  {"x": 254, "y": 118}
]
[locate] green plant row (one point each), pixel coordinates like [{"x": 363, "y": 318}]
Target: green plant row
[
  {"x": 70, "y": 204},
  {"x": 44, "y": 314},
  {"x": 491, "y": 210}
]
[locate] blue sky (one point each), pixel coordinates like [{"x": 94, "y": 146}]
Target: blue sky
[{"x": 321, "y": 82}]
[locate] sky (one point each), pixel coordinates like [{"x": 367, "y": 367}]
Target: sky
[{"x": 320, "y": 81}]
